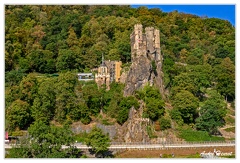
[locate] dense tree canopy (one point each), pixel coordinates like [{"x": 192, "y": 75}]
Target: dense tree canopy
[
  {"x": 187, "y": 105},
  {"x": 18, "y": 115},
  {"x": 46, "y": 45},
  {"x": 211, "y": 114}
]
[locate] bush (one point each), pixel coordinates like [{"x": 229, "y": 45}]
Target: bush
[
  {"x": 86, "y": 120},
  {"x": 154, "y": 66},
  {"x": 150, "y": 132},
  {"x": 80, "y": 137},
  {"x": 176, "y": 115},
  {"x": 164, "y": 123},
  {"x": 122, "y": 116}
]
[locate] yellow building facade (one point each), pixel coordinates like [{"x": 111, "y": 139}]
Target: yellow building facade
[{"x": 108, "y": 72}]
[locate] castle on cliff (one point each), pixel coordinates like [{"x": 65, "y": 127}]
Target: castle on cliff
[
  {"x": 147, "y": 43},
  {"x": 145, "y": 53}
]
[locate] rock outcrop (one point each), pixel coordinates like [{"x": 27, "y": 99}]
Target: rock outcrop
[
  {"x": 139, "y": 74},
  {"x": 136, "y": 126},
  {"x": 146, "y": 58}
]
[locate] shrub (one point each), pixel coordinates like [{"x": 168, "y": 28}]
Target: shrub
[{"x": 164, "y": 123}]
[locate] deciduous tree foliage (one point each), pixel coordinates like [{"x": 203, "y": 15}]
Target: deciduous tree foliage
[
  {"x": 154, "y": 103},
  {"x": 65, "y": 95},
  {"x": 98, "y": 141},
  {"x": 186, "y": 103},
  {"x": 43, "y": 107},
  {"x": 18, "y": 115},
  {"x": 211, "y": 114},
  {"x": 28, "y": 88},
  {"x": 124, "y": 106},
  {"x": 46, "y": 142},
  {"x": 198, "y": 54}
]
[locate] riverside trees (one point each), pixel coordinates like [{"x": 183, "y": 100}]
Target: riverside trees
[{"x": 46, "y": 142}]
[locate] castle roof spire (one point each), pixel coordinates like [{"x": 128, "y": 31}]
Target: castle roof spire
[{"x": 103, "y": 63}]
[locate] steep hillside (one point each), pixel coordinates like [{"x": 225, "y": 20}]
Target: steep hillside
[{"x": 187, "y": 92}]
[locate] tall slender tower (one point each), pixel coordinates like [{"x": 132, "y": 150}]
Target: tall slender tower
[{"x": 138, "y": 44}]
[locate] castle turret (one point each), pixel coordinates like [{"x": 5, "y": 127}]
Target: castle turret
[{"x": 138, "y": 44}]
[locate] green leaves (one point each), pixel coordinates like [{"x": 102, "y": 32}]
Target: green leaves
[
  {"x": 211, "y": 114},
  {"x": 187, "y": 105},
  {"x": 67, "y": 60},
  {"x": 43, "y": 107},
  {"x": 164, "y": 123},
  {"x": 124, "y": 107},
  {"x": 18, "y": 115},
  {"x": 45, "y": 142},
  {"x": 154, "y": 103},
  {"x": 98, "y": 141},
  {"x": 154, "y": 109},
  {"x": 28, "y": 88}
]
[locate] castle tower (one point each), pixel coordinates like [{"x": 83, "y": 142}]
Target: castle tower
[
  {"x": 138, "y": 44},
  {"x": 150, "y": 39},
  {"x": 147, "y": 43}
]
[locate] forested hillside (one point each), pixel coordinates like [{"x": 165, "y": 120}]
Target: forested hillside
[{"x": 43, "y": 40}]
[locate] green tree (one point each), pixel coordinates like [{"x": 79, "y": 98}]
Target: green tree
[
  {"x": 183, "y": 81},
  {"x": 80, "y": 112},
  {"x": 124, "y": 107},
  {"x": 154, "y": 103},
  {"x": 225, "y": 78},
  {"x": 154, "y": 108},
  {"x": 46, "y": 142},
  {"x": 65, "y": 95},
  {"x": 122, "y": 44},
  {"x": 177, "y": 116},
  {"x": 72, "y": 38},
  {"x": 112, "y": 99},
  {"x": 28, "y": 88},
  {"x": 18, "y": 115},
  {"x": 67, "y": 60},
  {"x": 98, "y": 141},
  {"x": 164, "y": 123},
  {"x": 43, "y": 107},
  {"x": 14, "y": 77},
  {"x": 211, "y": 114},
  {"x": 11, "y": 94},
  {"x": 93, "y": 98},
  {"x": 186, "y": 103}
]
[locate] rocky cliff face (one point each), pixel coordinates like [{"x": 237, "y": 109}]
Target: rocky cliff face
[
  {"x": 139, "y": 74},
  {"x": 159, "y": 79},
  {"x": 134, "y": 130}
]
